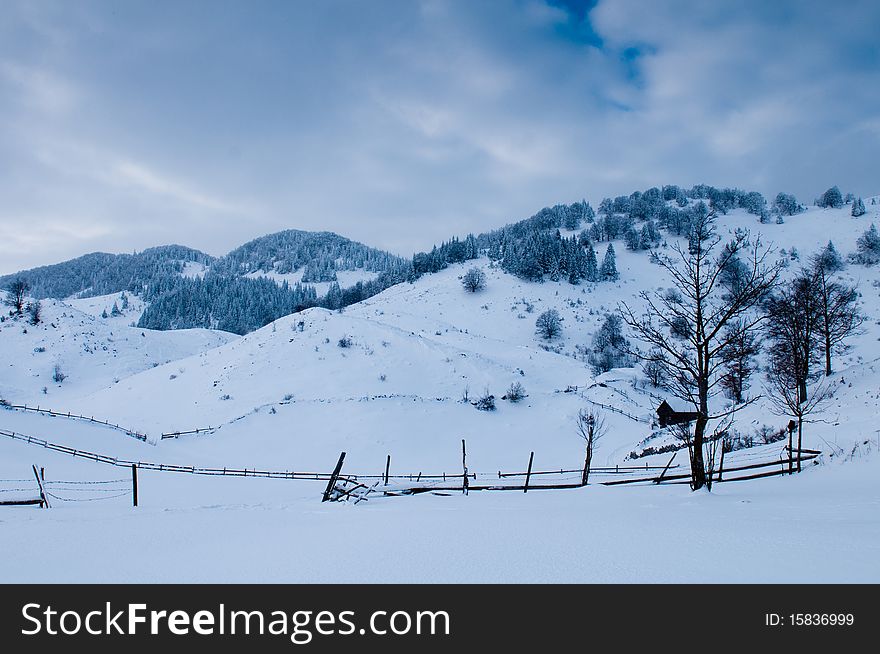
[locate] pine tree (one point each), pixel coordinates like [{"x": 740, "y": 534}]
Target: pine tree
[
  {"x": 831, "y": 198},
  {"x": 591, "y": 270},
  {"x": 868, "y": 247},
  {"x": 608, "y": 271},
  {"x": 828, "y": 259},
  {"x": 632, "y": 239},
  {"x": 589, "y": 214},
  {"x": 858, "y": 208}
]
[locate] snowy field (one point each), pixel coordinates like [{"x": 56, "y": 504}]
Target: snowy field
[{"x": 288, "y": 397}]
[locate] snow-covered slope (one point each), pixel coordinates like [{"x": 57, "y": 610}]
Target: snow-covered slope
[
  {"x": 90, "y": 351},
  {"x": 387, "y": 376}
]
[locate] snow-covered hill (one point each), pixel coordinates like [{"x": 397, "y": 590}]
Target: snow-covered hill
[
  {"x": 388, "y": 376},
  {"x": 91, "y": 352}
]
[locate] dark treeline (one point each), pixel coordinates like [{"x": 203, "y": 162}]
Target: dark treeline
[{"x": 243, "y": 304}]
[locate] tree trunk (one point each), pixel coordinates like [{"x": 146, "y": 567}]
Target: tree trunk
[
  {"x": 587, "y": 462},
  {"x": 698, "y": 468},
  {"x": 802, "y": 391},
  {"x": 827, "y": 354},
  {"x": 800, "y": 439}
]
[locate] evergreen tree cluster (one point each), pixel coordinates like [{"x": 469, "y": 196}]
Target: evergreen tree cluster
[
  {"x": 233, "y": 304},
  {"x": 320, "y": 253}
]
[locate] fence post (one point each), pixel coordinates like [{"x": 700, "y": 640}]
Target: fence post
[
  {"x": 721, "y": 464},
  {"x": 464, "y": 486},
  {"x": 528, "y": 473},
  {"x": 662, "y": 474},
  {"x": 333, "y": 477},
  {"x": 43, "y": 495},
  {"x": 387, "y": 467},
  {"x": 134, "y": 485}
]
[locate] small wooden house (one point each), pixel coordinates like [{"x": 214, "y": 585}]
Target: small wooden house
[{"x": 669, "y": 416}]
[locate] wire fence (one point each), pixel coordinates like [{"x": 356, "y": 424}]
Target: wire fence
[{"x": 38, "y": 490}]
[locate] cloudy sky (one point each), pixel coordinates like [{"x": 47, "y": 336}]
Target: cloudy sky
[{"x": 125, "y": 125}]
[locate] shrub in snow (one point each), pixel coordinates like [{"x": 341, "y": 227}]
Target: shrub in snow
[
  {"x": 344, "y": 342},
  {"x": 485, "y": 403},
  {"x": 548, "y": 325},
  {"x": 35, "y": 312},
  {"x": 515, "y": 393},
  {"x": 474, "y": 280},
  {"x": 58, "y": 375}
]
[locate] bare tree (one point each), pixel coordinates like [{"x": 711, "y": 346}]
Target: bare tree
[
  {"x": 839, "y": 317},
  {"x": 739, "y": 360},
  {"x": 785, "y": 394},
  {"x": 685, "y": 326},
  {"x": 548, "y": 325},
  {"x": 15, "y": 294},
  {"x": 654, "y": 371},
  {"x": 794, "y": 315},
  {"x": 682, "y": 432},
  {"x": 474, "y": 280},
  {"x": 590, "y": 428}
]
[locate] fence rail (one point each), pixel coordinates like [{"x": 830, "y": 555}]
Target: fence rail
[
  {"x": 163, "y": 467},
  {"x": 74, "y": 416},
  {"x": 175, "y": 434}
]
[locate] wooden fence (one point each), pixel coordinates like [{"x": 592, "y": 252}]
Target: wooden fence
[
  {"x": 352, "y": 486},
  {"x": 73, "y": 416},
  {"x": 97, "y": 421}
]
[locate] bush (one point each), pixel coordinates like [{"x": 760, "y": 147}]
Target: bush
[
  {"x": 485, "y": 403},
  {"x": 58, "y": 375},
  {"x": 474, "y": 280},
  {"x": 35, "y": 312},
  {"x": 344, "y": 342},
  {"x": 515, "y": 393}
]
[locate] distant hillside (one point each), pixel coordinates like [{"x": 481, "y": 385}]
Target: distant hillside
[
  {"x": 100, "y": 273},
  {"x": 242, "y": 291},
  {"x": 536, "y": 248},
  {"x": 321, "y": 254}
]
